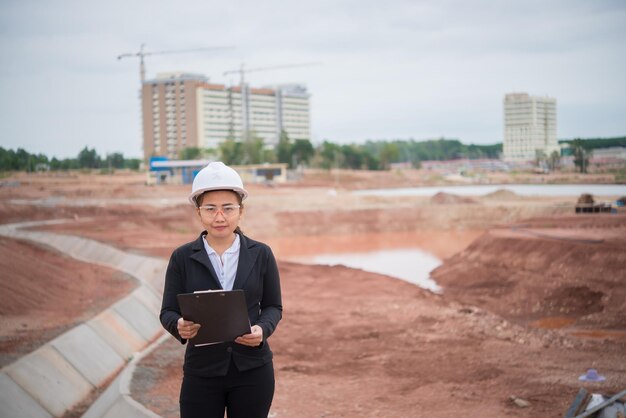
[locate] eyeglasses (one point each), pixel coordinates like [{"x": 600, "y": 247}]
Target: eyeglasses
[{"x": 211, "y": 211}]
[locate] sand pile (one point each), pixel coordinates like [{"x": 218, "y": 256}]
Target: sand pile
[
  {"x": 442, "y": 198},
  {"x": 527, "y": 274},
  {"x": 501, "y": 195}
]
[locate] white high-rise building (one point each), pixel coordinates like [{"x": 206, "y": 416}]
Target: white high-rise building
[
  {"x": 184, "y": 110},
  {"x": 529, "y": 126}
]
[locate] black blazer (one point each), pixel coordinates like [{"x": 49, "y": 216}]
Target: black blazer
[{"x": 190, "y": 269}]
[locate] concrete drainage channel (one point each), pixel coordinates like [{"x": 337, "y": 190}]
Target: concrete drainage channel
[{"x": 63, "y": 372}]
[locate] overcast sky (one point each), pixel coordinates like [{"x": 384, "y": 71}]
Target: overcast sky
[{"x": 389, "y": 69}]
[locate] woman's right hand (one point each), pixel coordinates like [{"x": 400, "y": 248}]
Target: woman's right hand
[{"x": 187, "y": 329}]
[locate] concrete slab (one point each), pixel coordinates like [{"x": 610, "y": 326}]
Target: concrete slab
[
  {"x": 50, "y": 380},
  {"x": 70, "y": 244},
  {"x": 148, "y": 269},
  {"x": 157, "y": 284},
  {"x": 105, "y": 401},
  {"x": 139, "y": 316},
  {"x": 130, "y": 264},
  {"x": 15, "y": 402},
  {"x": 117, "y": 400},
  {"x": 115, "y": 258},
  {"x": 60, "y": 374},
  {"x": 106, "y": 253},
  {"x": 56, "y": 241},
  {"x": 28, "y": 235},
  {"x": 127, "y": 407},
  {"x": 88, "y": 250},
  {"x": 118, "y": 333},
  {"x": 89, "y": 354},
  {"x": 149, "y": 298},
  {"x": 158, "y": 275}
]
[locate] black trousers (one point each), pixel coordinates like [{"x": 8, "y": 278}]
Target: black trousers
[{"x": 245, "y": 394}]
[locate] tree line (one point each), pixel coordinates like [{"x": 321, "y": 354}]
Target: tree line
[
  {"x": 596, "y": 143},
  {"x": 371, "y": 155},
  {"x": 22, "y": 160}
]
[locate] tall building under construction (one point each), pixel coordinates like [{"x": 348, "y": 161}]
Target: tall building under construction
[
  {"x": 182, "y": 110},
  {"x": 529, "y": 127}
]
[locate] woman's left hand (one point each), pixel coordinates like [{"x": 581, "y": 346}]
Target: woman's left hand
[{"x": 254, "y": 339}]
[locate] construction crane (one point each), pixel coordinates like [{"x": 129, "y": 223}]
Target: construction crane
[
  {"x": 242, "y": 70},
  {"x": 141, "y": 54},
  {"x": 245, "y": 91}
]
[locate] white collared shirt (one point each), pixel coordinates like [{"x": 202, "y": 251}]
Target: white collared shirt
[{"x": 226, "y": 265}]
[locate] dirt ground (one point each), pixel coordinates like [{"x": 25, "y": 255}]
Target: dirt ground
[
  {"x": 45, "y": 293},
  {"x": 532, "y": 295}
]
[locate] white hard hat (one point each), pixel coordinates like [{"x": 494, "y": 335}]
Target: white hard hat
[{"x": 216, "y": 176}]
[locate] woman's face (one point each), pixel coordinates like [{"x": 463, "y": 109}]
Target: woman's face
[{"x": 220, "y": 212}]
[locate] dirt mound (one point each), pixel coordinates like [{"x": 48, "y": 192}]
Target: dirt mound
[
  {"x": 501, "y": 194},
  {"x": 526, "y": 277},
  {"x": 574, "y": 301},
  {"x": 442, "y": 198}
]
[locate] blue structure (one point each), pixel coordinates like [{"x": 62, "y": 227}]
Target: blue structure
[
  {"x": 175, "y": 171},
  {"x": 165, "y": 171}
]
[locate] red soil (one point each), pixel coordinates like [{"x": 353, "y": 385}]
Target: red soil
[{"x": 524, "y": 312}]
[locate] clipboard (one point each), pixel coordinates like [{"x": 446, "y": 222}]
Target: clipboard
[{"x": 222, "y": 315}]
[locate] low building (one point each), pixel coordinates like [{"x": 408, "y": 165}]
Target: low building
[{"x": 165, "y": 171}]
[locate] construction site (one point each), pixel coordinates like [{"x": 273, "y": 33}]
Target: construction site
[{"x": 532, "y": 297}]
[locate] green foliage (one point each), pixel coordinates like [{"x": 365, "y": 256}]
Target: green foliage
[
  {"x": 190, "y": 153},
  {"x": 283, "y": 149},
  {"x": 132, "y": 163},
  {"x": 371, "y": 162},
  {"x": 389, "y": 153},
  {"x": 293, "y": 153},
  {"x": 115, "y": 160},
  {"x": 250, "y": 151},
  {"x": 88, "y": 158},
  {"x": 581, "y": 154},
  {"x": 302, "y": 152},
  {"x": 437, "y": 149},
  {"x": 229, "y": 151},
  {"x": 329, "y": 155},
  {"x": 352, "y": 156},
  {"x": 373, "y": 155},
  {"x": 595, "y": 143},
  {"x": 64, "y": 165},
  {"x": 269, "y": 156},
  {"x": 482, "y": 151},
  {"x": 21, "y": 160}
]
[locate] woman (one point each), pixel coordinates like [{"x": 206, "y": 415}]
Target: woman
[{"x": 236, "y": 376}]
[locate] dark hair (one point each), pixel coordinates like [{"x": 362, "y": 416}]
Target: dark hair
[{"x": 199, "y": 198}]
